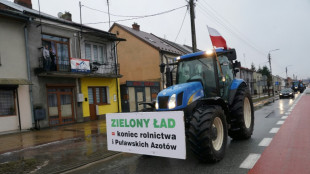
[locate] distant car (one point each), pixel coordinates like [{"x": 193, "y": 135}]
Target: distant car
[{"x": 287, "y": 93}]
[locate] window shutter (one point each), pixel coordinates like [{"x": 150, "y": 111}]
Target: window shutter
[
  {"x": 88, "y": 51},
  {"x": 100, "y": 60},
  {"x": 108, "y": 95},
  {"x": 105, "y": 56},
  {"x": 95, "y": 52}
]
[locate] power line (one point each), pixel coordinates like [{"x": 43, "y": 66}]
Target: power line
[
  {"x": 181, "y": 25},
  {"x": 227, "y": 28},
  {"x": 227, "y": 22},
  {"x": 136, "y": 17}
]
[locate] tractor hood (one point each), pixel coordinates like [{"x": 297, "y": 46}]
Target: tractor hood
[{"x": 179, "y": 96}]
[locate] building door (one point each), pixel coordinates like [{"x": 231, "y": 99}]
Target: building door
[
  {"x": 140, "y": 97},
  {"x": 60, "y": 105},
  {"x": 92, "y": 105}
]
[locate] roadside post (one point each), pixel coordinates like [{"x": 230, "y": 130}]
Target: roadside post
[{"x": 149, "y": 133}]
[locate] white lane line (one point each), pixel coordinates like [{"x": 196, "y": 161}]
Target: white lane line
[
  {"x": 250, "y": 161},
  {"x": 274, "y": 130},
  {"x": 284, "y": 117},
  {"x": 265, "y": 142},
  {"x": 280, "y": 122}
]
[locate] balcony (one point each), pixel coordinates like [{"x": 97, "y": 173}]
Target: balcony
[{"x": 62, "y": 68}]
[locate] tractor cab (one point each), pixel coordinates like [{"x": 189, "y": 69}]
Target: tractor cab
[{"x": 203, "y": 74}]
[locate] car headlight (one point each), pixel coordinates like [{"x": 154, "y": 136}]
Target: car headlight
[
  {"x": 156, "y": 105},
  {"x": 291, "y": 93},
  {"x": 172, "y": 102},
  {"x": 280, "y": 94},
  {"x": 295, "y": 87}
]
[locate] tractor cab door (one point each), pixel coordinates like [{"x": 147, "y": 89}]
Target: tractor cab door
[
  {"x": 202, "y": 70},
  {"x": 227, "y": 69}
]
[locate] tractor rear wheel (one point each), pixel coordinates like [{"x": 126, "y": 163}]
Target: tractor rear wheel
[
  {"x": 242, "y": 115},
  {"x": 208, "y": 133}
]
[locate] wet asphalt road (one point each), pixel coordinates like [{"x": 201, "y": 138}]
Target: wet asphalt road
[{"x": 266, "y": 118}]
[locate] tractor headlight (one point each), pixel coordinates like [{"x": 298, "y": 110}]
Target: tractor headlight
[
  {"x": 156, "y": 105},
  {"x": 172, "y": 102}
]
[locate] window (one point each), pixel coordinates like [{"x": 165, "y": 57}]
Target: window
[
  {"x": 98, "y": 95},
  {"x": 87, "y": 51},
  {"x": 7, "y": 102},
  {"x": 60, "y": 48},
  {"x": 96, "y": 52}
]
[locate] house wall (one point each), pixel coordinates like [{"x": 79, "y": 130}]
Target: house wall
[
  {"x": 247, "y": 76},
  {"x": 14, "y": 65},
  {"x": 39, "y": 83},
  {"x": 114, "y": 104},
  {"x": 257, "y": 77},
  {"x": 138, "y": 60},
  {"x": 12, "y": 49}
]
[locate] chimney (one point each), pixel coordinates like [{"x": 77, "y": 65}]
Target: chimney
[
  {"x": 135, "y": 26},
  {"x": 67, "y": 16},
  {"x": 25, "y": 3}
]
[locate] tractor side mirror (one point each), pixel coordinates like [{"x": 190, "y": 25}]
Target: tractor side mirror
[{"x": 162, "y": 67}]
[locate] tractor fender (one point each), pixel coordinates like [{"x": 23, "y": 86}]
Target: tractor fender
[{"x": 233, "y": 89}]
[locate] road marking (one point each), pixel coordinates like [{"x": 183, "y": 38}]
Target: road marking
[
  {"x": 265, "y": 142},
  {"x": 250, "y": 161},
  {"x": 274, "y": 130},
  {"x": 280, "y": 122},
  {"x": 287, "y": 113},
  {"x": 284, "y": 117}
]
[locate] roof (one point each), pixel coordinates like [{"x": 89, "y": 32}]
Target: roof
[
  {"x": 38, "y": 14},
  {"x": 182, "y": 48},
  {"x": 151, "y": 39}
]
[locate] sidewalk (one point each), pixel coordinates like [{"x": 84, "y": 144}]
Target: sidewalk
[
  {"x": 58, "y": 149},
  {"x": 289, "y": 151}
]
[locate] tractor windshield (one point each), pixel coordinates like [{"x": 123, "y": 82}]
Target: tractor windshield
[{"x": 198, "y": 70}]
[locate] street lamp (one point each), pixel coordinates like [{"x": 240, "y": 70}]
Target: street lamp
[{"x": 269, "y": 60}]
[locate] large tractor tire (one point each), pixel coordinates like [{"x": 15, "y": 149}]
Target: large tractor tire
[
  {"x": 242, "y": 115},
  {"x": 207, "y": 133}
]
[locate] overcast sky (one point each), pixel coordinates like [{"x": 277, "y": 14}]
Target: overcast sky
[{"x": 252, "y": 27}]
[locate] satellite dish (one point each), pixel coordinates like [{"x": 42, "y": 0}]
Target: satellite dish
[{"x": 59, "y": 14}]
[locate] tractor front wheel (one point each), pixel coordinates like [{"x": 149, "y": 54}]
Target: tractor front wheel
[
  {"x": 242, "y": 114},
  {"x": 208, "y": 133}
]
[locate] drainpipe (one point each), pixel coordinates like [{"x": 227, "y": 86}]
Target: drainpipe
[
  {"x": 19, "y": 121},
  {"x": 116, "y": 72},
  {"x": 28, "y": 72}
]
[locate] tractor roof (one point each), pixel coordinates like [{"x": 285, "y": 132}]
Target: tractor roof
[{"x": 200, "y": 53}]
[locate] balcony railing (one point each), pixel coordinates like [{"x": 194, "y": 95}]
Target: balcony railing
[{"x": 65, "y": 66}]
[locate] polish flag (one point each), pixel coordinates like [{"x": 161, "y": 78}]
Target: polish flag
[{"x": 216, "y": 38}]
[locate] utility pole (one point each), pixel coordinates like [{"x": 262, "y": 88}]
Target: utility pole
[
  {"x": 80, "y": 34},
  {"x": 109, "y": 14},
  {"x": 269, "y": 60},
  {"x": 192, "y": 15},
  {"x": 286, "y": 81}
]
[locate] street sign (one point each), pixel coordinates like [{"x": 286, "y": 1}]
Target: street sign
[
  {"x": 149, "y": 133},
  {"x": 277, "y": 83}
]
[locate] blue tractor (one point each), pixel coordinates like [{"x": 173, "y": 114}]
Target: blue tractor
[{"x": 215, "y": 103}]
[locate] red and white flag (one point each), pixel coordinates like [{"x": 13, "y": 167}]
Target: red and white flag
[{"x": 216, "y": 38}]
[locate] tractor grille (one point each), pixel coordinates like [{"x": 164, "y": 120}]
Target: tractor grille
[{"x": 163, "y": 102}]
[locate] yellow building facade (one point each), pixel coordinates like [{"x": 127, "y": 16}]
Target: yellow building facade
[{"x": 101, "y": 96}]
